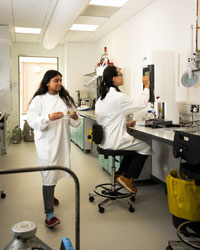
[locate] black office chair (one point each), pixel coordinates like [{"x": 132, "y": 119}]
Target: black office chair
[
  {"x": 110, "y": 191},
  {"x": 187, "y": 147}
]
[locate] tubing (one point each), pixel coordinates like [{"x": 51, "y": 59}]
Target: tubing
[
  {"x": 197, "y": 14},
  {"x": 77, "y": 192}
]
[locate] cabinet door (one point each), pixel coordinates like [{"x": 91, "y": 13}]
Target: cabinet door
[
  {"x": 81, "y": 134},
  {"x": 117, "y": 163},
  {"x": 107, "y": 163},
  {"x": 77, "y": 134},
  {"x": 163, "y": 160},
  {"x": 88, "y": 122},
  {"x": 103, "y": 162}
]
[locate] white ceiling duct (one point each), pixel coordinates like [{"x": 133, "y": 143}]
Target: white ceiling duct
[{"x": 64, "y": 15}]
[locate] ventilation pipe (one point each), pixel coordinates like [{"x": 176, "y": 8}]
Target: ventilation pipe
[{"x": 64, "y": 15}]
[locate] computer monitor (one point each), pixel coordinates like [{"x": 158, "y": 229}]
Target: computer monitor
[{"x": 149, "y": 71}]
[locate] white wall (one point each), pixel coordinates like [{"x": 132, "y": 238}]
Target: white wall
[
  {"x": 163, "y": 25},
  {"x": 80, "y": 59},
  {"x": 28, "y": 49},
  {"x": 5, "y": 102}
]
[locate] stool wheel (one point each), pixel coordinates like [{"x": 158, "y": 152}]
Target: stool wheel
[
  {"x": 3, "y": 195},
  {"x": 91, "y": 198},
  {"x": 131, "y": 209},
  {"x": 132, "y": 198},
  {"x": 101, "y": 210},
  {"x": 169, "y": 248},
  {"x": 103, "y": 191}
]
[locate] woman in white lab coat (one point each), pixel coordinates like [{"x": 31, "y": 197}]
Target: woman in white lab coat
[
  {"x": 51, "y": 112},
  {"x": 111, "y": 110}
]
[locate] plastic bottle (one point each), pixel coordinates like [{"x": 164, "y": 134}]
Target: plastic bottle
[
  {"x": 149, "y": 115},
  {"x": 16, "y": 135}
]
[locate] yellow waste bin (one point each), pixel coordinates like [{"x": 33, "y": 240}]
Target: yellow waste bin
[{"x": 183, "y": 197}]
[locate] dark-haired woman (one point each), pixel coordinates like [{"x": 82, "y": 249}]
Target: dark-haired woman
[
  {"x": 49, "y": 116},
  {"x": 111, "y": 110}
]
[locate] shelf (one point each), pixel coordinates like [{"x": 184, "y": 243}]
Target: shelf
[
  {"x": 91, "y": 74},
  {"x": 92, "y": 82}
]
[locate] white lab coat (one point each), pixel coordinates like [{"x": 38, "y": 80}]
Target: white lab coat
[
  {"x": 52, "y": 138},
  {"x": 111, "y": 114}
]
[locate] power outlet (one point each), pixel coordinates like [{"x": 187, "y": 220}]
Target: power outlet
[{"x": 194, "y": 108}]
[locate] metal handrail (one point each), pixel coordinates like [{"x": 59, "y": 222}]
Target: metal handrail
[{"x": 77, "y": 192}]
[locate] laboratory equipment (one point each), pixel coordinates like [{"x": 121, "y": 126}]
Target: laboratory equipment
[
  {"x": 81, "y": 96},
  {"x": 86, "y": 102},
  {"x": 28, "y": 132},
  {"x": 156, "y": 119},
  {"x": 160, "y": 66},
  {"x": 191, "y": 75},
  {"x": 103, "y": 63},
  {"x": 31, "y": 227},
  {"x": 24, "y": 237}
]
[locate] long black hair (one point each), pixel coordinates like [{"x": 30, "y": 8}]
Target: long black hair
[
  {"x": 63, "y": 93},
  {"x": 108, "y": 74}
]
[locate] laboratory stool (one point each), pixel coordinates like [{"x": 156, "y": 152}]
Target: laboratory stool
[
  {"x": 113, "y": 190},
  {"x": 186, "y": 147}
]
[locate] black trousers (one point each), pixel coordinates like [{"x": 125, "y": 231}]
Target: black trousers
[
  {"x": 48, "y": 197},
  {"x": 131, "y": 165}
]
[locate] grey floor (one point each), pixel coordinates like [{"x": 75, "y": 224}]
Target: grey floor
[{"x": 148, "y": 228}]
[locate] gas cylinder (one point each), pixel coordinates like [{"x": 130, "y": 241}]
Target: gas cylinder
[
  {"x": 16, "y": 135},
  {"x": 24, "y": 237}
]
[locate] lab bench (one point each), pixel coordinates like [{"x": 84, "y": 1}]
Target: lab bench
[{"x": 161, "y": 141}]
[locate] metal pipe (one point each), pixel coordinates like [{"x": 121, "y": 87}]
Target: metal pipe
[
  {"x": 77, "y": 192},
  {"x": 197, "y": 27}
]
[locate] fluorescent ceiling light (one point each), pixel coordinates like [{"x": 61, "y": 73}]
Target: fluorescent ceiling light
[
  {"x": 113, "y": 3},
  {"x": 83, "y": 27},
  {"x": 27, "y": 30}
]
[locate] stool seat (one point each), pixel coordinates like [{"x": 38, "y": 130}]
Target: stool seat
[{"x": 112, "y": 152}]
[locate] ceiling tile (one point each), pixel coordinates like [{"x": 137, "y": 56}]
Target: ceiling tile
[
  {"x": 5, "y": 12},
  {"x": 91, "y": 20},
  {"x": 118, "y": 18},
  {"x": 27, "y": 38},
  {"x": 30, "y": 13},
  {"x": 100, "y": 11},
  {"x": 75, "y": 36}
]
